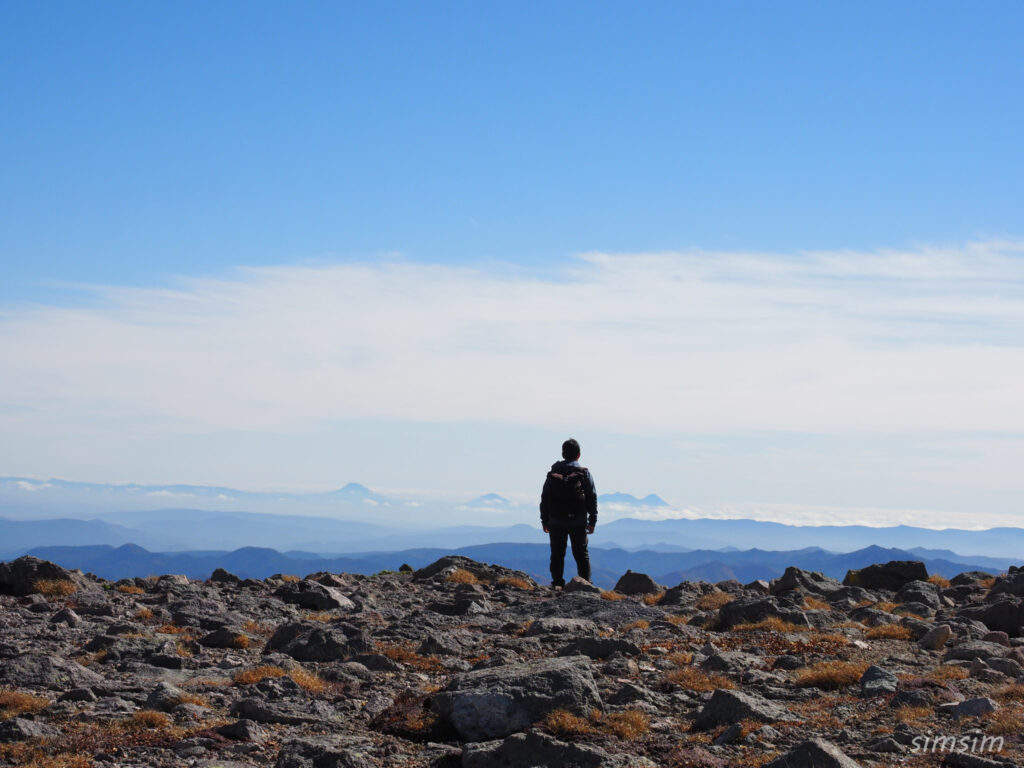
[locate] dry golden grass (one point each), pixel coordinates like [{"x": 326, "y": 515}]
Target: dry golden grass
[
  {"x": 680, "y": 658},
  {"x": 462, "y": 576},
  {"x": 638, "y": 624},
  {"x": 55, "y": 587},
  {"x": 769, "y": 624},
  {"x": 562, "y": 722},
  {"x": 13, "y": 703},
  {"x": 889, "y": 632},
  {"x": 829, "y": 638},
  {"x": 321, "y": 616},
  {"x": 130, "y": 589},
  {"x": 831, "y": 674},
  {"x": 254, "y": 675},
  {"x": 404, "y": 654},
  {"x": 1011, "y": 692},
  {"x": 886, "y": 606},
  {"x": 628, "y": 726},
  {"x": 941, "y": 581},
  {"x": 172, "y": 629},
  {"x": 31, "y": 756},
  {"x": 678, "y": 619},
  {"x": 307, "y": 680},
  {"x": 653, "y": 599},
  {"x": 256, "y": 628},
  {"x": 183, "y": 649},
  {"x": 515, "y": 581},
  {"x": 192, "y": 698},
  {"x": 712, "y": 601},
  {"x": 693, "y": 679},
  {"x": 1008, "y": 721},
  {"x": 816, "y": 603},
  {"x": 911, "y": 713},
  {"x": 148, "y": 718},
  {"x": 240, "y": 642},
  {"x": 988, "y": 583},
  {"x": 144, "y": 614},
  {"x": 289, "y": 578},
  {"x": 609, "y": 594},
  {"x": 945, "y": 672}
]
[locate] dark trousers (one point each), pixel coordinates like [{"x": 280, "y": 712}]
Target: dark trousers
[{"x": 578, "y": 536}]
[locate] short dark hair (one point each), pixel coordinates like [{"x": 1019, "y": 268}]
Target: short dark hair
[{"x": 570, "y": 450}]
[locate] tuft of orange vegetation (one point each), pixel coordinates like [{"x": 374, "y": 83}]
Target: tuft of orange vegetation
[
  {"x": 829, "y": 638},
  {"x": 831, "y": 674},
  {"x": 886, "y": 606},
  {"x": 183, "y": 649},
  {"x": 712, "y": 601},
  {"x": 52, "y": 588},
  {"x": 191, "y": 698},
  {"x": 608, "y": 594},
  {"x": 322, "y": 616},
  {"x": 816, "y": 603},
  {"x": 241, "y": 642},
  {"x": 144, "y": 614},
  {"x": 256, "y": 628},
  {"x": 130, "y": 589},
  {"x": 769, "y": 624},
  {"x": 404, "y": 654},
  {"x": 562, "y": 722},
  {"x": 287, "y": 577},
  {"x": 941, "y": 581},
  {"x": 14, "y": 703},
  {"x": 945, "y": 672},
  {"x": 516, "y": 582},
  {"x": 678, "y": 619},
  {"x": 148, "y": 719},
  {"x": 910, "y": 713},
  {"x": 693, "y": 679},
  {"x": 629, "y": 725},
  {"x": 253, "y": 675},
  {"x": 172, "y": 629},
  {"x": 653, "y": 599},
  {"x": 1008, "y": 721},
  {"x": 1011, "y": 692},
  {"x": 680, "y": 658},
  {"x": 889, "y": 632},
  {"x": 307, "y": 680},
  {"x": 462, "y": 576},
  {"x": 31, "y": 756},
  {"x": 638, "y": 624}
]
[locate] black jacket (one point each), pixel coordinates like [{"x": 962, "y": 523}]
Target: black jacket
[{"x": 583, "y": 519}]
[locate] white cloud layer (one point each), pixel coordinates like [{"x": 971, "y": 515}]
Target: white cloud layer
[{"x": 885, "y": 342}]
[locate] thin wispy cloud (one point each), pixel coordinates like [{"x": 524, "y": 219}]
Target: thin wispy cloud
[{"x": 889, "y": 341}]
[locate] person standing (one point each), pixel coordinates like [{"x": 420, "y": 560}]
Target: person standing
[{"x": 568, "y": 511}]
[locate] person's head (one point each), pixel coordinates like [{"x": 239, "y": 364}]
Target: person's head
[{"x": 570, "y": 450}]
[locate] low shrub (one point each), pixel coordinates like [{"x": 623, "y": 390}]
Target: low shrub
[
  {"x": 831, "y": 674},
  {"x": 889, "y": 632},
  {"x": 51, "y": 588}
]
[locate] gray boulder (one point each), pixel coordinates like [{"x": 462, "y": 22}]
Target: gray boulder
[
  {"x": 877, "y": 682},
  {"x": 330, "y": 642},
  {"x": 493, "y": 703},
  {"x": 814, "y": 753},
  {"x": 753, "y": 609},
  {"x": 305, "y": 754},
  {"x": 313, "y": 595},
  {"x": 808, "y": 582},
  {"x": 19, "y": 577},
  {"x": 36, "y": 670},
  {"x": 1005, "y": 614},
  {"x": 974, "y": 649},
  {"x": 539, "y": 750},
  {"x": 891, "y": 575},
  {"x": 599, "y": 647},
  {"x": 22, "y": 729},
  {"x": 936, "y": 637},
  {"x": 577, "y": 584},
  {"x": 558, "y": 626},
  {"x": 726, "y": 707},
  {"x": 631, "y": 583}
]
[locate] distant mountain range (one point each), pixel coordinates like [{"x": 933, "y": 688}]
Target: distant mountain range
[{"x": 668, "y": 568}]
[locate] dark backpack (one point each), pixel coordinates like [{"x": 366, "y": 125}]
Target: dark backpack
[{"x": 566, "y": 492}]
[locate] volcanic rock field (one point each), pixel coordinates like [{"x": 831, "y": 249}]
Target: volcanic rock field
[{"x": 466, "y": 664}]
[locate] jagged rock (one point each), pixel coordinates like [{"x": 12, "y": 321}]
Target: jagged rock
[
  {"x": 66, "y": 616},
  {"x": 578, "y": 584},
  {"x": 313, "y": 595},
  {"x": 243, "y": 730},
  {"x": 809, "y": 582},
  {"x": 753, "y": 609},
  {"x": 539, "y": 750},
  {"x": 305, "y": 754},
  {"x": 631, "y": 583},
  {"x": 558, "y": 626},
  {"x": 283, "y": 712},
  {"x": 923, "y": 592},
  {"x": 726, "y": 707},
  {"x": 975, "y": 707},
  {"x": 164, "y": 697},
  {"x": 1005, "y": 614},
  {"x": 220, "y": 576},
  {"x": 440, "y": 568},
  {"x": 225, "y": 637},
  {"x": 305, "y": 642},
  {"x": 35, "y": 670},
  {"x": 936, "y": 637},
  {"x": 599, "y": 647},
  {"x": 19, "y": 577},
  {"x": 969, "y": 578},
  {"x": 877, "y": 682},
  {"x": 891, "y": 575},
  {"x": 814, "y": 753},
  {"x": 974, "y": 649},
  {"x": 20, "y": 729},
  {"x": 493, "y": 703}
]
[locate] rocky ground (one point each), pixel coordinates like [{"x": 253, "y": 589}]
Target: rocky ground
[{"x": 466, "y": 664}]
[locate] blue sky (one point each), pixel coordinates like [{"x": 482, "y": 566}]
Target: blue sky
[{"x": 188, "y": 191}]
